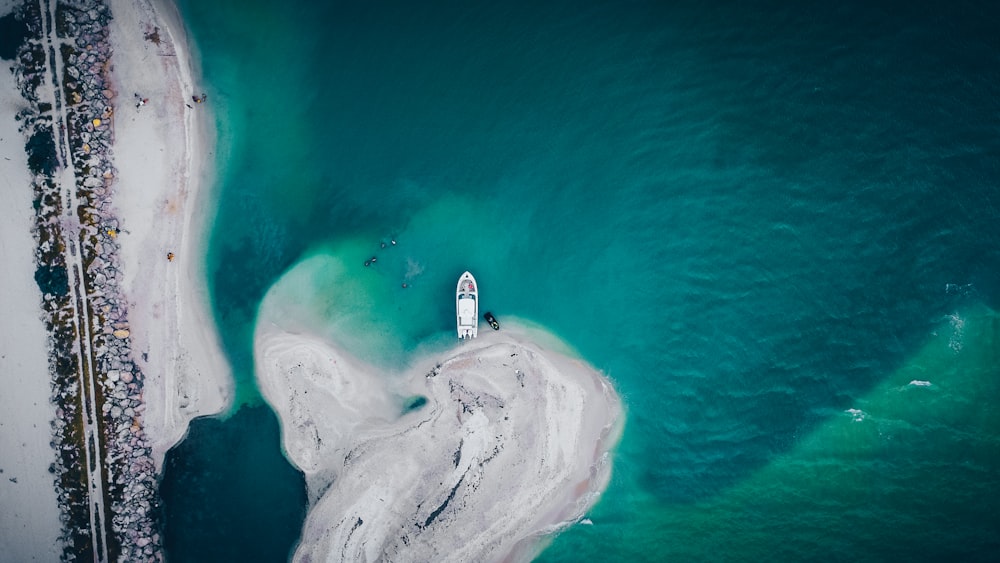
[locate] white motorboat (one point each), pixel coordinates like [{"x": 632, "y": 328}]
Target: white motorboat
[{"x": 467, "y": 306}]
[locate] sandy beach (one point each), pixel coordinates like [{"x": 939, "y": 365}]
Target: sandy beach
[
  {"x": 164, "y": 152},
  {"x": 473, "y": 454}
]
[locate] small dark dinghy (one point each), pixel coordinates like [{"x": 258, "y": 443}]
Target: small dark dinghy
[{"x": 492, "y": 320}]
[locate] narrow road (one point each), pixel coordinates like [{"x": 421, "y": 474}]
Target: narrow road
[{"x": 67, "y": 180}]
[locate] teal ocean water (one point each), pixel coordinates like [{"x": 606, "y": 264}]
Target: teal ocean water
[{"x": 774, "y": 225}]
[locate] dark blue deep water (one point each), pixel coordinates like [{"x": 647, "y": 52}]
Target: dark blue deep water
[{"x": 774, "y": 225}]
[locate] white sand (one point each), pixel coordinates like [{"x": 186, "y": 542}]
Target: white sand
[
  {"x": 29, "y": 509},
  {"x": 163, "y": 155},
  {"x": 511, "y": 445}
]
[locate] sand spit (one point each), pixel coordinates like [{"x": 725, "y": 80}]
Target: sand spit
[
  {"x": 163, "y": 153},
  {"x": 476, "y": 455}
]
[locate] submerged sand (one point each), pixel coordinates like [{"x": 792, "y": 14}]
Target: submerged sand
[{"x": 474, "y": 454}]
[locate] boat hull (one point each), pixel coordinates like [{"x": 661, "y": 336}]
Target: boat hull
[
  {"x": 492, "y": 320},
  {"x": 467, "y": 306}
]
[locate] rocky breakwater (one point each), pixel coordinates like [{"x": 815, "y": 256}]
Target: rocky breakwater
[{"x": 104, "y": 470}]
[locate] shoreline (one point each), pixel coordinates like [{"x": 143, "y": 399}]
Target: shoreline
[
  {"x": 128, "y": 353},
  {"x": 187, "y": 374},
  {"x": 482, "y": 452}
]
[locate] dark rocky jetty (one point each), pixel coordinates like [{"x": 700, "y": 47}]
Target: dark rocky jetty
[{"x": 104, "y": 472}]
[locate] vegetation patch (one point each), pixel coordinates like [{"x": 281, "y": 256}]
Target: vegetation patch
[
  {"x": 13, "y": 32},
  {"x": 41, "y": 149},
  {"x": 52, "y": 279}
]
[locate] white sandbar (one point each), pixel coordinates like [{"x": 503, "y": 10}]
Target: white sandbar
[{"x": 511, "y": 445}]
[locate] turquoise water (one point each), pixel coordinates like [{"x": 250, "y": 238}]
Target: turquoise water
[{"x": 753, "y": 217}]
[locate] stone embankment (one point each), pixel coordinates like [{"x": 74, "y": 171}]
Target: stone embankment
[{"x": 104, "y": 471}]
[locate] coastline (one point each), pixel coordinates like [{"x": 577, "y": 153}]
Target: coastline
[
  {"x": 112, "y": 346},
  {"x": 478, "y": 453},
  {"x": 166, "y": 211}
]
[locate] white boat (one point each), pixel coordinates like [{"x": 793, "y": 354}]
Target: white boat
[{"x": 467, "y": 306}]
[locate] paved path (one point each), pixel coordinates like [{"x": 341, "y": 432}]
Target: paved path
[{"x": 93, "y": 451}]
